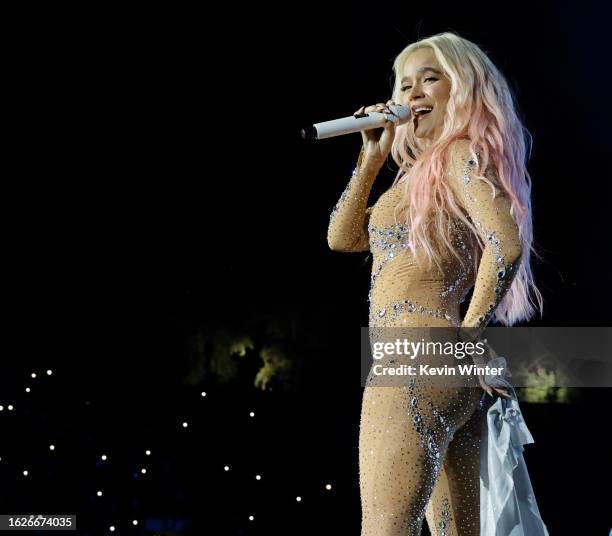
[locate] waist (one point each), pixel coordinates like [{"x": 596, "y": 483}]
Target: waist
[{"x": 408, "y": 311}]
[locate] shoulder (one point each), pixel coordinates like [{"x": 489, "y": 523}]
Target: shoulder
[
  {"x": 460, "y": 144},
  {"x": 460, "y": 153},
  {"x": 464, "y": 160},
  {"x": 461, "y": 162},
  {"x": 465, "y": 173}
]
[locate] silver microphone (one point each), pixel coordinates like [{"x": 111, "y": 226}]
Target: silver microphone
[{"x": 347, "y": 125}]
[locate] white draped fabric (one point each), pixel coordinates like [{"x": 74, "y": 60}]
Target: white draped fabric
[{"x": 507, "y": 503}]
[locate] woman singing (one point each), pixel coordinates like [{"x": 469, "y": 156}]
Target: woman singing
[{"x": 457, "y": 217}]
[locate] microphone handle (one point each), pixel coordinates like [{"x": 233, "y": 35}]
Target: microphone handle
[{"x": 350, "y": 124}]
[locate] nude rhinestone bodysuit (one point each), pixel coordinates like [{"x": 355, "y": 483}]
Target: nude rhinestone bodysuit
[{"x": 419, "y": 443}]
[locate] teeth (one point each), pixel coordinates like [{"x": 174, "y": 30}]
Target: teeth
[{"x": 419, "y": 110}]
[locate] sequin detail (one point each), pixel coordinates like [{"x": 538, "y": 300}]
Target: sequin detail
[
  {"x": 347, "y": 219},
  {"x": 396, "y": 309},
  {"x": 410, "y": 435},
  {"x": 445, "y": 517},
  {"x": 502, "y": 245},
  {"x": 389, "y": 238},
  {"x": 467, "y": 170},
  {"x": 386, "y": 243}
]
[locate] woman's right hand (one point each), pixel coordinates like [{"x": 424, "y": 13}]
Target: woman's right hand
[
  {"x": 499, "y": 391},
  {"x": 377, "y": 142}
]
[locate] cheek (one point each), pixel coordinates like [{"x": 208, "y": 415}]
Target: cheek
[
  {"x": 442, "y": 105},
  {"x": 442, "y": 108},
  {"x": 442, "y": 95}
]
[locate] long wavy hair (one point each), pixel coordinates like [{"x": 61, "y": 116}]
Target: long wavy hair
[{"x": 480, "y": 108}]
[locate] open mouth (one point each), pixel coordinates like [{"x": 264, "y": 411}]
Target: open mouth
[{"x": 420, "y": 116}]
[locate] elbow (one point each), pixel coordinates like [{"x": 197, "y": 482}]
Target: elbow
[
  {"x": 332, "y": 242},
  {"x": 513, "y": 254},
  {"x": 510, "y": 264},
  {"x": 337, "y": 245},
  {"x": 509, "y": 248}
]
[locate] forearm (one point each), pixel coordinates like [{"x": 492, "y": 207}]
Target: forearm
[
  {"x": 347, "y": 223},
  {"x": 495, "y": 275}
]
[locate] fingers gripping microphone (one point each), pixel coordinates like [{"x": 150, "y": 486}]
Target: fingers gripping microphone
[{"x": 347, "y": 125}]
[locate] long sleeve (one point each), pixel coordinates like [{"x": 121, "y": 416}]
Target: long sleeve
[
  {"x": 348, "y": 222},
  {"x": 493, "y": 220}
]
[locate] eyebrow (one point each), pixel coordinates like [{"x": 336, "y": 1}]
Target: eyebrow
[{"x": 422, "y": 69}]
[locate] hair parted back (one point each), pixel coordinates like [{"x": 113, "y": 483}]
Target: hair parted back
[{"x": 480, "y": 108}]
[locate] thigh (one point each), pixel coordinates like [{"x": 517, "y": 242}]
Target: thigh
[
  {"x": 454, "y": 506},
  {"x": 404, "y": 434},
  {"x": 395, "y": 474}
]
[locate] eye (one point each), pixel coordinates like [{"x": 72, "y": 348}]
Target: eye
[{"x": 429, "y": 78}]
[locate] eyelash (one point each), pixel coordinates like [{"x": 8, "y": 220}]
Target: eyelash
[{"x": 430, "y": 78}]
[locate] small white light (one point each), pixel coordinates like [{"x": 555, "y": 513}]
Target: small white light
[
  {"x": 251, "y": 518},
  {"x": 185, "y": 424},
  {"x": 99, "y": 494},
  {"x": 135, "y": 522},
  {"x": 328, "y": 486},
  {"x": 1, "y": 408},
  {"x": 148, "y": 452},
  {"x": 257, "y": 477},
  {"x": 33, "y": 374},
  {"x": 25, "y": 473},
  {"x": 51, "y": 447},
  {"x": 27, "y": 389},
  {"x": 298, "y": 499},
  {"x": 103, "y": 457},
  {"x": 226, "y": 468},
  {"x": 10, "y": 407},
  {"x": 112, "y": 528},
  {"x": 143, "y": 471},
  {"x": 252, "y": 414},
  {"x": 49, "y": 372},
  {"x": 203, "y": 393}
]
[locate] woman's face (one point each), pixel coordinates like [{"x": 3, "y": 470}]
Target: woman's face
[{"x": 423, "y": 84}]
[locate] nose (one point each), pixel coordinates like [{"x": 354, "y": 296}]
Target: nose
[{"x": 415, "y": 92}]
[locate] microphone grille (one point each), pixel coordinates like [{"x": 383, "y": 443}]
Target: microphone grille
[{"x": 309, "y": 133}]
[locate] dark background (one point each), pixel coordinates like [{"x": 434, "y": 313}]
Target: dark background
[{"x": 156, "y": 187}]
